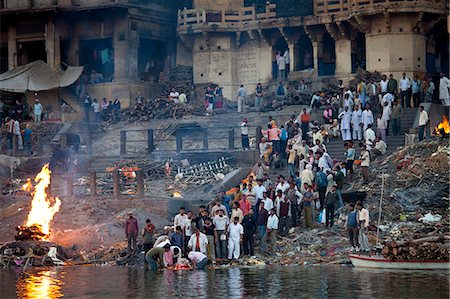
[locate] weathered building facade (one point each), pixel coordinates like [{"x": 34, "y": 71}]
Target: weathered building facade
[
  {"x": 232, "y": 42},
  {"x": 129, "y": 42}
]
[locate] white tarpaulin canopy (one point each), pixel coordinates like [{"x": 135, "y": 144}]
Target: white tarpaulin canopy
[{"x": 38, "y": 76}]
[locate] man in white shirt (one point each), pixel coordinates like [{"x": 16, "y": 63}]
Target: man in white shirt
[
  {"x": 387, "y": 98},
  {"x": 198, "y": 242},
  {"x": 346, "y": 117},
  {"x": 188, "y": 230},
  {"x": 357, "y": 123},
  {"x": 323, "y": 163},
  {"x": 179, "y": 219},
  {"x": 383, "y": 85},
  {"x": 367, "y": 118},
  {"x": 281, "y": 62},
  {"x": 198, "y": 259},
  {"x": 380, "y": 147},
  {"x": 244, "y": 134},
  {"x": 386, "y": 115},
  {"x": 282, "y": 185},
  {"x": 174, "y": 96},
  {"x": 220, "y": 222},
  {"x": 237, "y": 212},
  {"x": 268, "y": 203},
  {"x": 218, "y": 206},
  {"x": 370, "y": 136},
  {"x": 242, "y": 93},
  {"x": 259, "y": 192},
  {"x": 423, "y": 121},
  {"x": 271, "y": 232},
  {"x": 96, "y": 106},
  {"x": 444, "y": 86},
  {"x": 235, "y": 235},
  {"x": 405, "y": 85},
  {"x": 348, "y": 102}
]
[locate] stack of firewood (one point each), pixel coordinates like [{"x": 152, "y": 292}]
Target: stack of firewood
[
  {"x": 159, "y": 108},
  {"x": 427, "y": 248}
]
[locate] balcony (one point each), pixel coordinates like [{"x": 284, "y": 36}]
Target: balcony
[
  {"x": 359, "y": 6},
  {"x": 190, "y": 17}
]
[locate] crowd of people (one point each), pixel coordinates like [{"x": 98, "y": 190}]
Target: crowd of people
[
  {"x": 19, "y": 130},
  {"x": 102, "y": 111}
]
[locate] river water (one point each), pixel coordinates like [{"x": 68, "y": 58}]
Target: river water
[{"x": 268, "y": 282}]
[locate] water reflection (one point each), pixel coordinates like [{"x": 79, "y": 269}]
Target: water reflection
[
  {"x": 42, "y": 284},
  {"x": 268, "y": 282}
]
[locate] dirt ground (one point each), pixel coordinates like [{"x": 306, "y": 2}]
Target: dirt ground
[{"x": 85, "y": 223}]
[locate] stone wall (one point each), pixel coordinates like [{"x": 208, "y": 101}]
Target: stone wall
[
  {"x": 396, "y": 50},
  {"x": 229, "y": 65}
]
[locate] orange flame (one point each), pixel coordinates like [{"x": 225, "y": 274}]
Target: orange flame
[
  {"x": 177, "y": 194},
  {"x": 444, "y": 125},
  {"x": 129, "y": 172},
  {"x": 28, "y": 186},
  {"x": 43, "y": 206}
]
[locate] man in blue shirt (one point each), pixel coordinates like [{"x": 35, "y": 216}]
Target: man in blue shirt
[
  {"x": 416, "y": 84},
  {"x": 351, "y": 224}
]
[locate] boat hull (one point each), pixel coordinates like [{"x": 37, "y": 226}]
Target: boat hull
[{"x": 381, "y": 263}]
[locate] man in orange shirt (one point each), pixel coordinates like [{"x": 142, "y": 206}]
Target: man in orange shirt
[{"x": 305, "y": 118}]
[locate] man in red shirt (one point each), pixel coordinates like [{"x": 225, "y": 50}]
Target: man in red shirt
[
  {"x": 305, "y": 118},
  {"x": 131, "y": 231}
]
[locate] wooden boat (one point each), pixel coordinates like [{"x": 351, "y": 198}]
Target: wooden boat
[{"x": 361, "y": 261}]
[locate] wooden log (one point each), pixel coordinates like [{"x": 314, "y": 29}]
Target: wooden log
[{"x": 428, "y": 239}]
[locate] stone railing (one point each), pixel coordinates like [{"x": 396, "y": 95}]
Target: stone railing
[
  {"x": 39, "y": 4},
  {"x": 187, "y": 17},
  {"x": 355, "y": 6}
]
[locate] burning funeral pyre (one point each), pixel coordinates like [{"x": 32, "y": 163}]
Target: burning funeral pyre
[
  {"x": 443, "y": 128},
  {"x": 43, "y": 208}
]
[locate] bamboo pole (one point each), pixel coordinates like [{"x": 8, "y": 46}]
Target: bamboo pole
[{"x": 379, "y": 208}]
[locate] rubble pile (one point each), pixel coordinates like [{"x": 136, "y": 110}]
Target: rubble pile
[
  {"x": 416, "y": 181},
  {"x": 181, "y": 73}
]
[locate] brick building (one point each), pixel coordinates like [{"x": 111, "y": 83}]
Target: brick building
[{"x": 129, "y": 42}]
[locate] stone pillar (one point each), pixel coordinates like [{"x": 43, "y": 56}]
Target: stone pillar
[
  {"x": 292, "y": 61},
  {"x": 343, "y": 48},
  {"x": 50, "y": 42},
  {"x": 121, "y": 55},
  {"x": 57, "y": 48},
  {"x": 133, "y": 51},
  {"x": 74, "y": 51},
  {"x": 315, "y": 45},
  {"x": 12, "y": 48}
]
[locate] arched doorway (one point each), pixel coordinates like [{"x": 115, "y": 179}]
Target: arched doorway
[
  {"x": 359, "y": 52},
  {"x": 304, "y": 54},
  {"x": 327, "y": 62}
]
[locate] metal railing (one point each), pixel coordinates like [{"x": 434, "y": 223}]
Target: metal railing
[
  {"x": 354, "y": 6},
  {"x": 189, "y": 139},
  {"x": 188, "y": 17}
]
